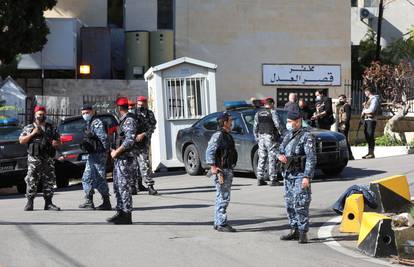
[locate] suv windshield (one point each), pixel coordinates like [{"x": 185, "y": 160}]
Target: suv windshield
[{"x": 9, "y": 133}]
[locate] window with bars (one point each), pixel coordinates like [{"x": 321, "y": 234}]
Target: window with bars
[{"x": 186, "y": 98}]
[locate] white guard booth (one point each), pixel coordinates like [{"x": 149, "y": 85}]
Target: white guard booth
[{"x": 180, "y": 92}]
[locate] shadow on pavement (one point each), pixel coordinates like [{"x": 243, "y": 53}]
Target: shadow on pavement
[
  {"x": 183, "y": 206},
  {"x": 335, "y": 238},
  {"x": 349, "y": 173}
]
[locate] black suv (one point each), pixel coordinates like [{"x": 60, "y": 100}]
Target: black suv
[{"x": 191, "y": 144}]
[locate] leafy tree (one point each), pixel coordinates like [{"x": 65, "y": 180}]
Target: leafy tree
[
  {"x": 393, "y": 83},
  {"x": 23, "y": 28}
]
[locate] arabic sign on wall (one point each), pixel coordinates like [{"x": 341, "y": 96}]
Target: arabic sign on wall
[{"x": 315, "y": 75}]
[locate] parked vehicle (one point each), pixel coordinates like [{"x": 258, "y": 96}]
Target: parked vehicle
[
  {"x": 13, "y": 158},
  {"x": 191, "y": 143}
]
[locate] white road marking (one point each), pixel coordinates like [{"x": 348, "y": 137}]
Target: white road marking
[{"x": 325, "y": 233}]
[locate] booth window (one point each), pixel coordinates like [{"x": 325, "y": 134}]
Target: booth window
[
  {"x": 186, "y": 98},
  {"x": 165, "y": 14}
]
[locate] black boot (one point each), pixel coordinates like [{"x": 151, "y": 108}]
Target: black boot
[
  {"x": 121, "y": 218},
  {"x": 261, "y": 182},
  {"x": 275, "y": 182},
  {"x": 303, "y": 237},
  {"x": 225, "y": 228},
  {"x": 113, "y": 218},
  {"x": 29, "y": 204},
  {"x": 151, "y": 190},
  {"x": 134, "y": 191},
  {"x": 49, "y": 205},
  {"x": 88, "y": 204},
  {"x": 106, "y": 204},
  {"x": 141, "y": 187},
  {"x": 293, "y": 235}
]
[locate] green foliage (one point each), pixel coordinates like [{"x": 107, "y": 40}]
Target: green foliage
[
  {"x": 400, "y": 49},
  {"x": 23, "y": 28},
  {"x": 386, "y": 140}
]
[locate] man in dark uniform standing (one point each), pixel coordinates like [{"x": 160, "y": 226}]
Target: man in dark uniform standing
[
  {"x": 324, "y": 113},
  {"x": 344, "y": 120},
  {"x": 145, "y": 130},
  {"x": 123, "y": 154},
  {"x": 267, "y": 130},
  {"x": 42, "y": 139},
  {"x": 298, "y": 156},
  {"x": 221, "y": 155}
]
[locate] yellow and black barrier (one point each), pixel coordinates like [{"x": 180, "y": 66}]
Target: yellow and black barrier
[
  {"x": 393, "y": 194},
  {"x": 376, "y": 237},
  {"x": 352, "y": 214}
]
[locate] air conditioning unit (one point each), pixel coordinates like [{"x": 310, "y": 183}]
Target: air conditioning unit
[{"x": 368, "y": 12}]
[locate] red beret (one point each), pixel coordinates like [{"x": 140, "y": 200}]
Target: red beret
[
  {"x": 269, "y": 98},
  {"x": 122, "y": 101},
  {"x": 131, "y": 103},
  {"x": 39, "y": 108},
  {"x": 141, "y": 98}
]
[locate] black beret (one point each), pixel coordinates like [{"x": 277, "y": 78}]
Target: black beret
[
  {"x": 223, "y": 116},
  {"x": 87, "y": 107},
  {"x": 294, "y": 115}
]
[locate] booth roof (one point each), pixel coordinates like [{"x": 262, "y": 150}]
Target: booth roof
[{"x": 178, "y": 61}]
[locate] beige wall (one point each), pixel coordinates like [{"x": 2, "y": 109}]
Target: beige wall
[
  {"x": 240, "y": 35},
  {"x": 92, "y": 13}
]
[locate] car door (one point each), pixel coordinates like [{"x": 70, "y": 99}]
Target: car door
[
  {"x": 242, "y": 142},
  {"x": 202, "y": 134}
]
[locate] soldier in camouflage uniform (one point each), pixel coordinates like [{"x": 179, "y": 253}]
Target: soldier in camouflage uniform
[
  {"x": 267, "y": 131},
  {"x": 123, "y": 154},
  {"x": 221, "y": 155},
  {"x": 147, "y": 124},
  {"x": 96, "y": 144},
  {"x": 42, "y": 139},
  {"x": 297, "y": 154}
]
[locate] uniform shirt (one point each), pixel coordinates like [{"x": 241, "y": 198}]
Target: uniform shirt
[
  {"x": 149, "y": 121},
  {"x": 129, "y": 128},
  {"x": 54, "y": 135},
  {"x": 98, "y": 129},
  {"x": 275, "y": 117},
  {"x": 373, "y": 106},
  {"x": 305, "y": 147}
]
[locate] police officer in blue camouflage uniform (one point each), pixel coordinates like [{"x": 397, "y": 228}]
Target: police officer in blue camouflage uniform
[
  {"x": 96, "y": 143},
  {"x": 145, "y": 130},
  {"x": 298, "y": 158},
  {"x": 267, "y": 131},
  {"x": 123, "y": 154},
  {"x": 41, "y": 138},
  {"x": 221, "y": 155}
]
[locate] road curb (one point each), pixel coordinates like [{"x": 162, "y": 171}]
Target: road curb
[{"x": 325, "y": 234}]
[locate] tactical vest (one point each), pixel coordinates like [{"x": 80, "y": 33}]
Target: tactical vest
[
  {"x": 91, "y": 142},
  {"x": 120, "y": 135},
  {"x": 266, "y": 124},
  {"x": 226, "y": 154},
  {"x": 296, "y": 162},
  {"x": 41, "y": 144}
]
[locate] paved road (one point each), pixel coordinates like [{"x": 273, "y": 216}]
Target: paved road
[{"x": 175, "y": 229}]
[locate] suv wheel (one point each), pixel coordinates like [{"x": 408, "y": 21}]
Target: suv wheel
[
  {"x": 62, "y": 182},
  {"x": 192, "y": 160}
]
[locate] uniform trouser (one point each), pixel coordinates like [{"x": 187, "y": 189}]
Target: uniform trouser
[
  {"x": 43, "y": 169},
  {"x": 122, "y": 175},
  {"x": 222, "y": 197},
  {"x": 94, "y": 176},
  {"x": 369, "y": 131},
  {"x": 297, "y": 203},
  {"x": 143, "y": 167},
  {"x": 346, "y": 132},
  {"x": 267, "y": 154}
]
